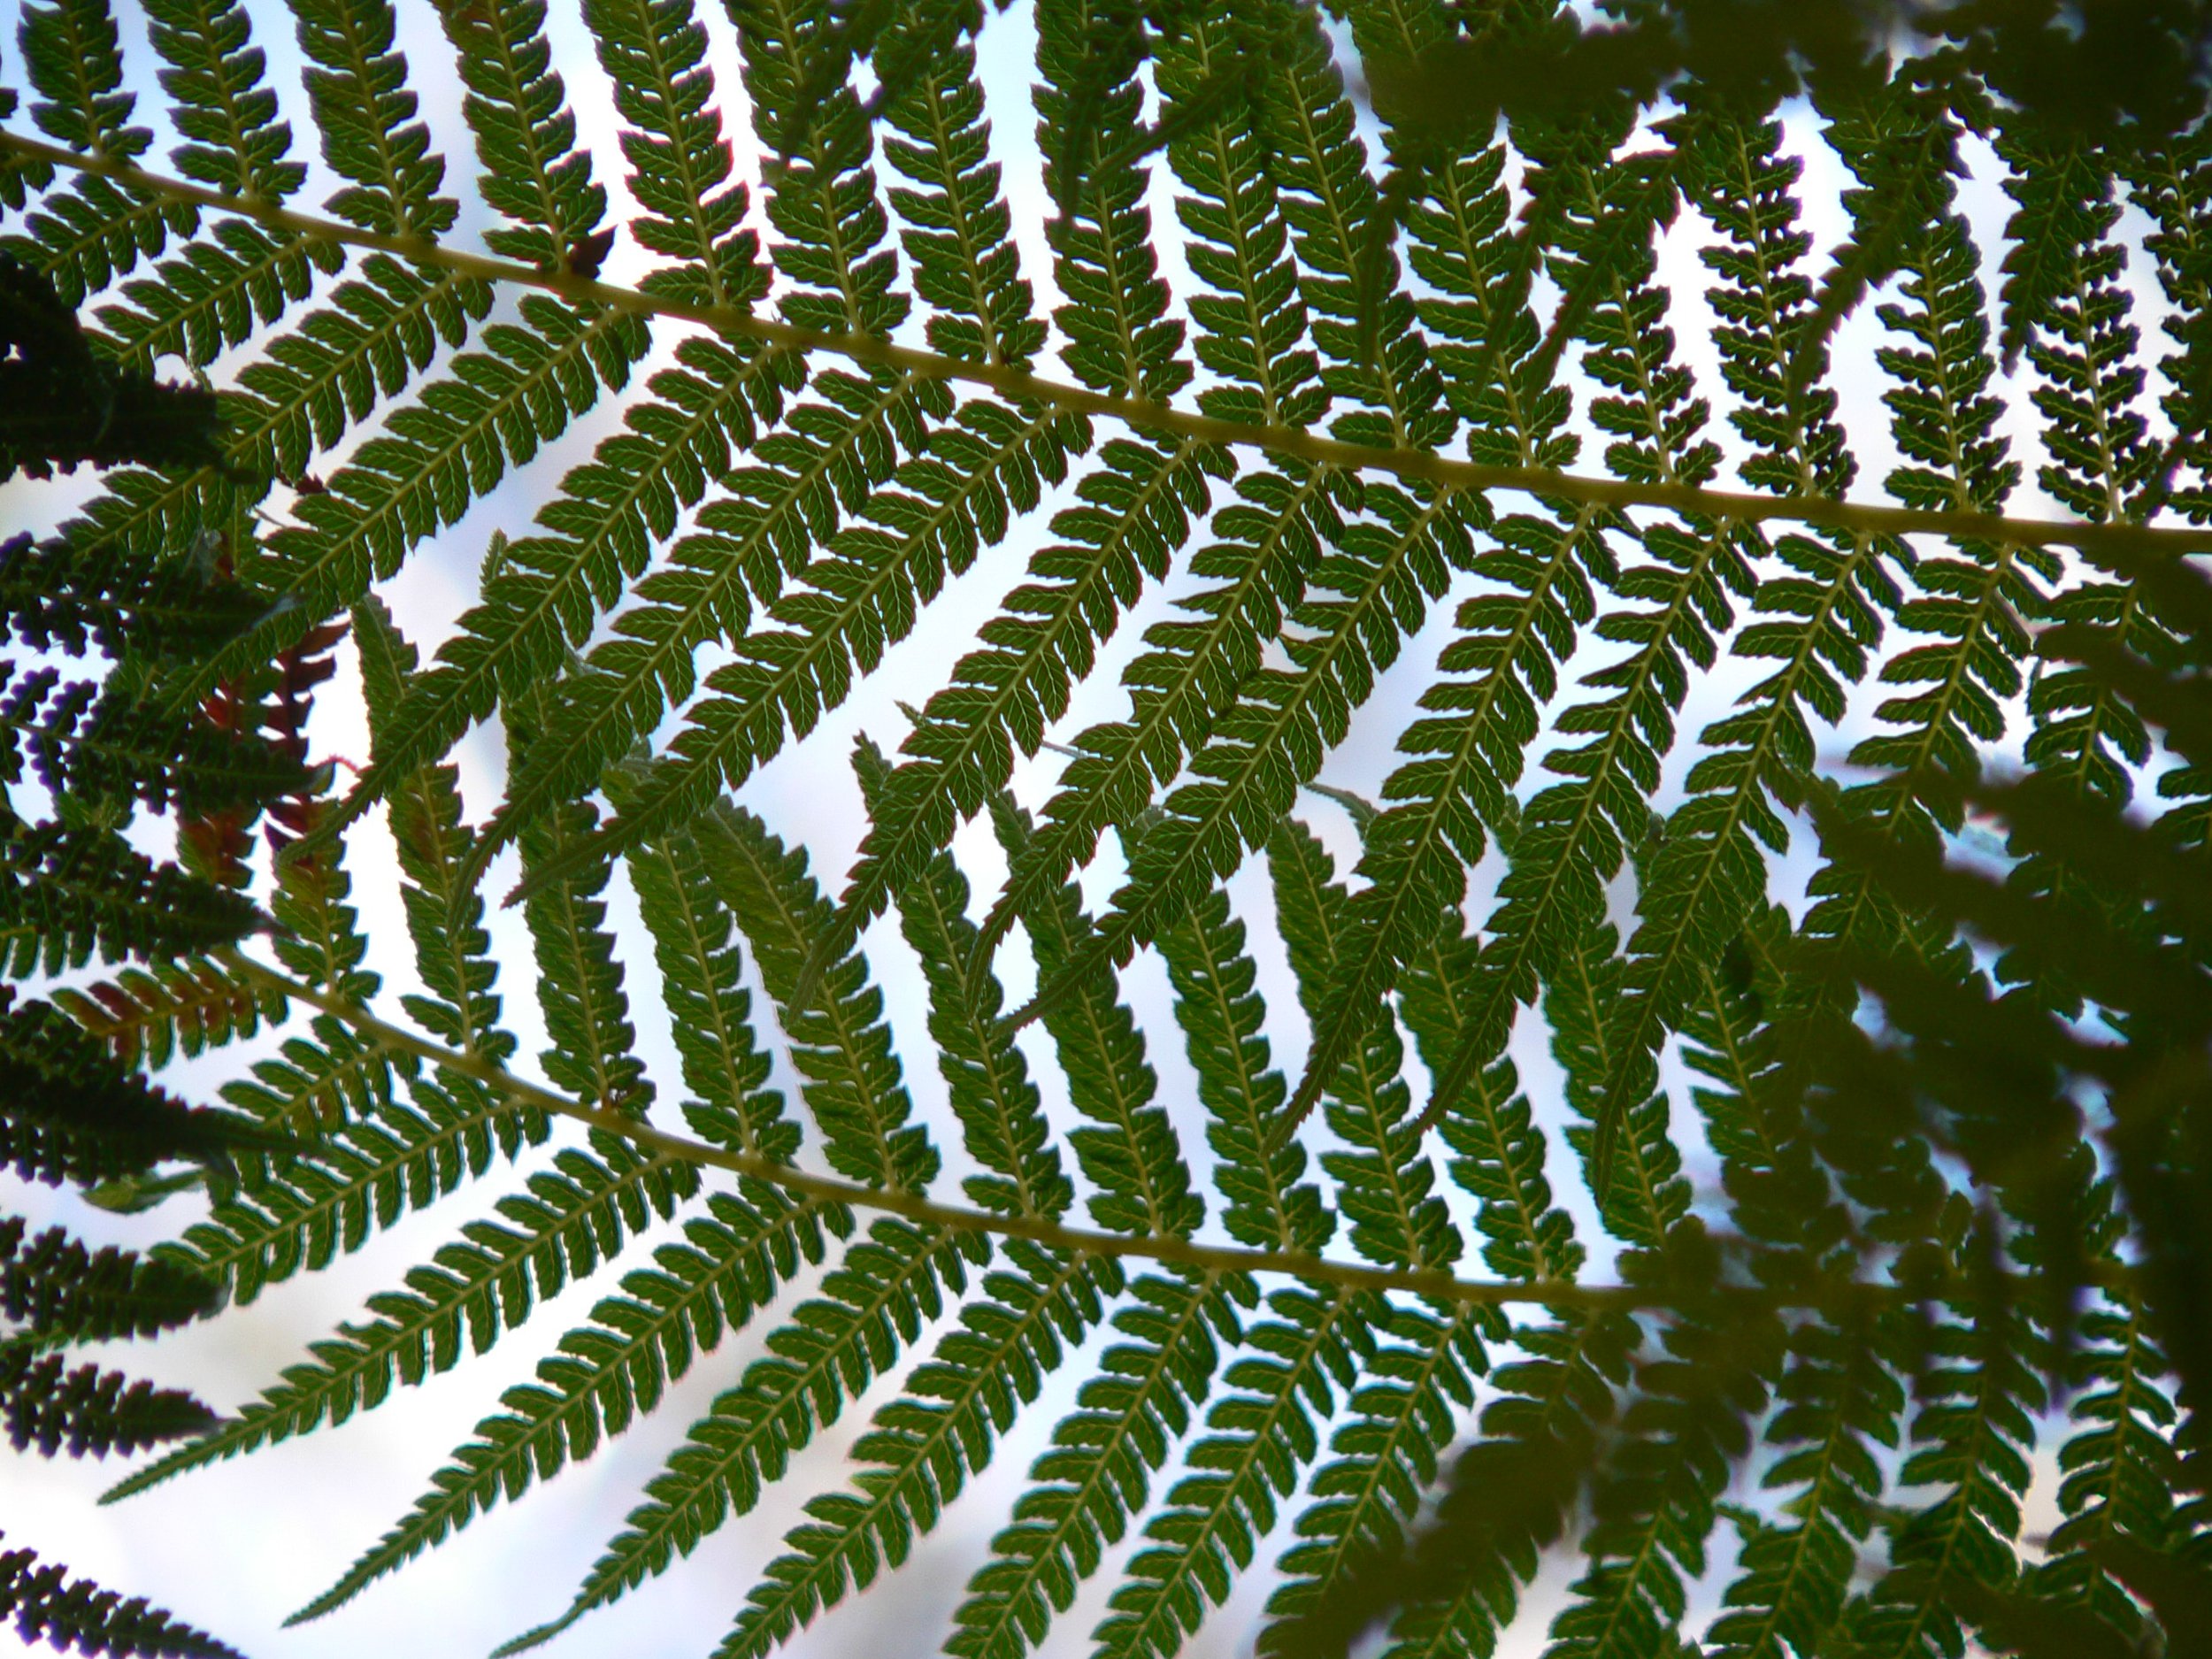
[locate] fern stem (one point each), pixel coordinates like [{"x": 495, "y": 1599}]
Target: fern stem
[
  {"x": 2116, "y": 539},
  {"x": 1083, "y": 1240}
]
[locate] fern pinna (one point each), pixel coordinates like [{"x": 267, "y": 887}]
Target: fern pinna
[{"x": 1439, "y": 527}]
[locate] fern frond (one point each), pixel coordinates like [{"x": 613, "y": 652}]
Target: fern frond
[
  {"x": 833, "y": 598},
  {"x": 1001, "y": 1116},
  {"x": 959, "y": 228},
  {"x": 236, "y": 141},
  {"x": 54, "y": 1287},
  {"x": 1129, "y": 1150},
  {"x": 1271, "y": 538},
  {"x": 1358, "y": 606},
  {"x": 579, "y": 981},
  {"x": 1978, "y": 1392},
  {"x": 875, "y": 1301},
  {"x": 485, "y": 1285},
  {"x": 148, "y": 1019},
  {"x": 614, "y": 1368},
  {"x": 357, "y": 83},
  {"x": 548, "y": 586},
  {"x": 298, "y": 1215},
  {"x": 923, "y": 1447},
  {"x": 701, "y": 983},
  {"x": 87, "y": 1410},
  {"x": 70, "y": 1112},
  {"x": 1220, "y": 1011},
  {"x": 1384, "y": 1179},
  {"x": 45, "y": 1603},
  {"x": 853, "y": 1081},
  {"x": 961, "y": 751},
  {"x": 84, "y": 236},
  {"x": 67, "y": 892},
  {"x": 495, "y": 408},
  {"x": 1819, "y": 622},
  {"x": 1098, "y": 1473},
  {"x": 1260, "y": 1425}
]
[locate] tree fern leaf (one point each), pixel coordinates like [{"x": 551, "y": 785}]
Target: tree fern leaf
[
  {"x": 549, "y": 585},
  {"x": 1262, "y": 1432},
  {"x": 485, "y": 1284},
  {"x": 1248, "y": 326},
  {"x": 356, "y": 84},
  {"x": 1572, "y": 835},
  {"x": 298, "y": 1215},
  {"x": 525, "y": 135},
  {"x": 87, "y": 1410},
  {"x": 825, "y": 205},
  {"x": 1118, "y": 335},
  {"x": 1097, "y": 1474},
  {"x": 958, "y": 229},
  {"x": 1257, "y": 1168},
  {"x": 215, "y": 295},
  {"x": 1384, "y": 1179},
  {"x": 2168, "y": 182},
  {"x": 1977, "y": 1397},
  {"x": 93, "y": 230},
  {"x": 579, "y": 981},
  {"x": 875, "y": 1301},
  {"x": 1386, "y": 1454},
  {"x": 1639, "y": 1192},
  {"x": 833, "y": 452},
  {"x": 923, "y": 1447},
  {"x": 148, "y": 1019},
  {"x": 1305, "y": 123},
  {"x": 68, "y": 1112},
  {"x": 710, "y": 1008},
  {"x": 961, "y": 751},
  {"x": 54, "y": 1287},
  {"x": 494, "y": 407},
  {"x": 1130, "y": 1151},
  {"x": 235, "y": 140},
  {"x": 1818, "y": 622},
  {"x": 613, "y": 1369},
  {"x": 1839, "y": 1400},
  {"x": 1377, "y": 586},
  {"x": 67, "y": 893},
  {"x": 45, "y": 1601},
  {"x": 1193, "y": 669},
  {"x": 840, "y": 1043},
  {"x": 1001, "y": 1114}
]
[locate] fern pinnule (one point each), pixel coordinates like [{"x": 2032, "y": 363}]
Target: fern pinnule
[
  {"x": 53, "y": 1288},
  {"x": 1094, "y": 1479},
  {"x": 95, "y": 230},
  {"x": 2170, "y": 183},
  {"x": 1359, "y": 605},
  {"x": 1250, "y": 329},
  {"x": 1195, "y": 665},
  {"x": 1259, "y": 1435},
  {"x": 1399, "y": 1421}
]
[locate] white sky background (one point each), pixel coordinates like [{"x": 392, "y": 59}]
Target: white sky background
[{"x": 237, "y": 1548}]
